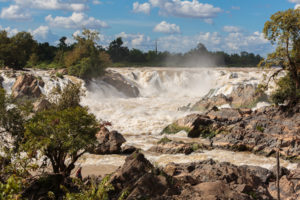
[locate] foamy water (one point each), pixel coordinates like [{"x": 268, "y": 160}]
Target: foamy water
[{"x": 162, "y": 92}]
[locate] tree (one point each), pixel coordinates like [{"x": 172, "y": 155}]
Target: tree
[
  {"x": 118, "y": 52},
  {"x": 283, "y": 28},
  {"x": 85, "y": 60},
  {"x": 63, "y": 133}
]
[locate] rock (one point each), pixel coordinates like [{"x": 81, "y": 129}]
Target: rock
[
  {"x": 123, "y": 85},
  {"x": 41, "y": 105},
  {"x": 63, "y": 71},
  {"x": 233, "y": 76},
  {"x": 109, "y": 142},
  {"x": 138, "y": 178},
  {"x": 26, "y": 85},
  {"x": 245, "y": 96},
  {"x": 175, "y": 148},
  {"x": 208, "y": 102},
  {"x": 242, "y": 96},
  {"x": 128, "y": 149},
  {"x": 213, "y": 180},
  {"x": 1, "y": 81},
  {"x": 225, "y": 114},
  {"x": 287, "y": 189}
]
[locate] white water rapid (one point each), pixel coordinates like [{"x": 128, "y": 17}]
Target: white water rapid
[{"x": 162, "y": 92}]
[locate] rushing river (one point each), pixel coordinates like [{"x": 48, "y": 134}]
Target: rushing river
[{"x": 162, "y": 92}]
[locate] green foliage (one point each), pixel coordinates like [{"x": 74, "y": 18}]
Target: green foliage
[
  {"x": 11, "y": 190},
  {"x": 283, "y": 28},
  {"x": 11, "y": 118},
  {"x": 260, "y": 128},
  {"x": 86, "y": 60},
  {"x": 94, "y": 192},
  {"x": 285, "y": 91},
  {"x": 61, "y": 134},
  {"x": 59, "y": 75},
  {"x": 117, "y": 51},
  {"x": 164, "y": 140}
]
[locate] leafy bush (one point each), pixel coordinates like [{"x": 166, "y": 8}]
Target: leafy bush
[{"x": 285, "y": 91}]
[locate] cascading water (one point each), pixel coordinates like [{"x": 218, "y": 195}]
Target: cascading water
[{"x": 162, "y": 92}]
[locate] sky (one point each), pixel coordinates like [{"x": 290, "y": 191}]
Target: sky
[{"x": 176, "y": 25}]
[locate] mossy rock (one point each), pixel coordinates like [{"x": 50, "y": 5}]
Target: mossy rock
[{"x": 174, "y": 128}]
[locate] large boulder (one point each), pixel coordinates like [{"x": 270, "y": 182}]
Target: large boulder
[
  {"x": 140, "y": 180},
  {"x": 195, "y": 125},
  {"x": 26, "y": 86},
  {"x": 109, "y": 142},
  {"x": 242, "y": 96},
  {"x": 121, "y": 84}
]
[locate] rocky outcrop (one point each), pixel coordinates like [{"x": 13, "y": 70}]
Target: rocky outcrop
[
  {"x": 41, "y": 105},
  {"x": 121, "y": 84},
  {"x": 108, "y": 142},
  {"x": 261, "y": 131},
  {"x": 242, "y": 96},
  {"x": 27, "y": 86},
  {"x": 213, "y": 180},
  {"x": 138, "y": 179}
]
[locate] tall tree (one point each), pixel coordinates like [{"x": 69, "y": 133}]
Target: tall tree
[{"x": 283, "y": 29}]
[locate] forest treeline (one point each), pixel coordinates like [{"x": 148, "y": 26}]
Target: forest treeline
[{"x": 21, "y": 50}]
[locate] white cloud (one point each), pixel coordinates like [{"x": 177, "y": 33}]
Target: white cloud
[
  {"x": 77, "y": 20},
  {"x": 52, "y": 5},
  {"x": 188, "y": 9},
  {"x": 14, "y": 12},
  {"x": 165, "y": 27},
  {"x": 134, "y": 40},
  {"x": 294, "y": 1},
  {"x": 142, "y": 8},
  {"x": 96, "y": 2},
  {"x": 41, "y": 32},
  {"x": 231, "y": 29},
  {"x": 297, "y": 6}
]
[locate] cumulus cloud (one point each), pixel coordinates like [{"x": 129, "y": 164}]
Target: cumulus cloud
[
  {"x": 10, "y": 31},
  {"x": 14, "y": 12},
  {"x": 134, "y": 40},
  {"x": 235, "y": 8},
  {"x": 77, "y": 20},
  {"x": 230, "y": 29},
  {"x": 294, "y": 1},
  {"x": 164, "y": 27},
  {"x": 188, "y": 9},
  {"x": 52, "y": 5},
  {"x": 142, "y": 8},
  {"x": 44, "y": 34}
]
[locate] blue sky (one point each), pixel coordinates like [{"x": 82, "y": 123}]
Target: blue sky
[{"x": 177, "y": 25}]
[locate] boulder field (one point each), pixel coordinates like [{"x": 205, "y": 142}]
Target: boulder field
[{"x": 261, "y": 131}]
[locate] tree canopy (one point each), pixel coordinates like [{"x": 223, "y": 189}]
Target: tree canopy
[{"x": 283, "y": 29}]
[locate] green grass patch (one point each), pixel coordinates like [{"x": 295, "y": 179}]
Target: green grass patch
[{"x": 164, "y": 140}]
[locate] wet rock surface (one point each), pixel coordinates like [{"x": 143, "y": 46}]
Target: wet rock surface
[
  {"x": 121, "y": 84},
  {"x": 27, "y": 85},
  {"x": 242, "y": 96},
  {"x": 109, "y": 142},
  {"x": 261, "y": 131}
]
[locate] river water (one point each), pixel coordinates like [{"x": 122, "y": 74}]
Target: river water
[{"x": 162, "y": 92}]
